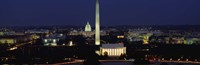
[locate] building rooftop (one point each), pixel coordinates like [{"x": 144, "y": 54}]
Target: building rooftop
[{"x": 112, "y": 45}]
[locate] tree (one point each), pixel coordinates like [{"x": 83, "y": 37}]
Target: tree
[
  {"x": 122, "y": 56},
  {"x": 92, "y": 59}
]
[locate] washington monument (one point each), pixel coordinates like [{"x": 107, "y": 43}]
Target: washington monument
[{"x": 97, "y": 24}]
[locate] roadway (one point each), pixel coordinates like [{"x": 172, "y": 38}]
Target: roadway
[
  {"x": 18, "y": 45},
  {"x": 103, "y": 62},
  {"x": 173, "y": 61}
]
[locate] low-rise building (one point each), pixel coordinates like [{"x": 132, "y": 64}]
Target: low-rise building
[{"x": 112, "y": 50}]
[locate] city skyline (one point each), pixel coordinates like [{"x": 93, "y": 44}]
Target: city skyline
[
  {"x": 143, "y": 12},
  {"x": 100, "y": 32}
]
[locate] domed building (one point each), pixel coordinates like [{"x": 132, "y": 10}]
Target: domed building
[
  {"x": 88, "y": 27},
  {"x": 88, "y": 31}
]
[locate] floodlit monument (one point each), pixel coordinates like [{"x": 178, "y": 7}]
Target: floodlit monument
[
  {"x": 113, "y": 50},
  {"x": 88, "y": 27},
  {"x": 97, "y": 25}
]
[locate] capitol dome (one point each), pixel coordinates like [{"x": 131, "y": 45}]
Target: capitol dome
[{"x": 88, "y": 27}]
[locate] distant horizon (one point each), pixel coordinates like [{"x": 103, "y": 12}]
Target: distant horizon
[{"x": 92, "y": 25}]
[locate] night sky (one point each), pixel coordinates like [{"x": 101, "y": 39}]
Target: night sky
[{"x": 112, "y": 12}]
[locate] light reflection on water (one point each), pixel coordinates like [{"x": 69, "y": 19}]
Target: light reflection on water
[
  {"x": 117, "y": 63},
  {"x": 110, "y": 63},
  {"x": 122, "y": 63},
  {"x": 103, "y": 63}
]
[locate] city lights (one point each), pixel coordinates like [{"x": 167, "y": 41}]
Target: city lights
[{"x": 100, "y": 32}]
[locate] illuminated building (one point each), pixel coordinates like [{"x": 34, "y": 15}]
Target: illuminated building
[
  {"x": 97, "y": 26},
  {"x": 146, "y": 38},
  {"x": 192, "y": 40},
  {"x": 8, "y": 41},
  {"x": 87, "y": 34},
  {"x": 34, "y": 36},
  {"x": 140, "y": 35},
  {"x": 52, "y": 40},
  {"x": 71, "y": 43},
  {"x": 74, "y": 32},
  {"x": 36, "y": 31},
  {"x": 12, "y": 39},
  {"x": 88, "y": 31},
  {"x": 113, "y": 50},
  {"x": 1, "y": 33},
  {"x": 120, "y": 36},
  {"x": 8, "y": 33},
  {"x": 88, "y": 27}
]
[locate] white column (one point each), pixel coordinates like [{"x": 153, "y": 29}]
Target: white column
[{"x": 97, "y": 25}]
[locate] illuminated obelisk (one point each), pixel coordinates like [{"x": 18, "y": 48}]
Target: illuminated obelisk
[{"x": 97, "y": 24}]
